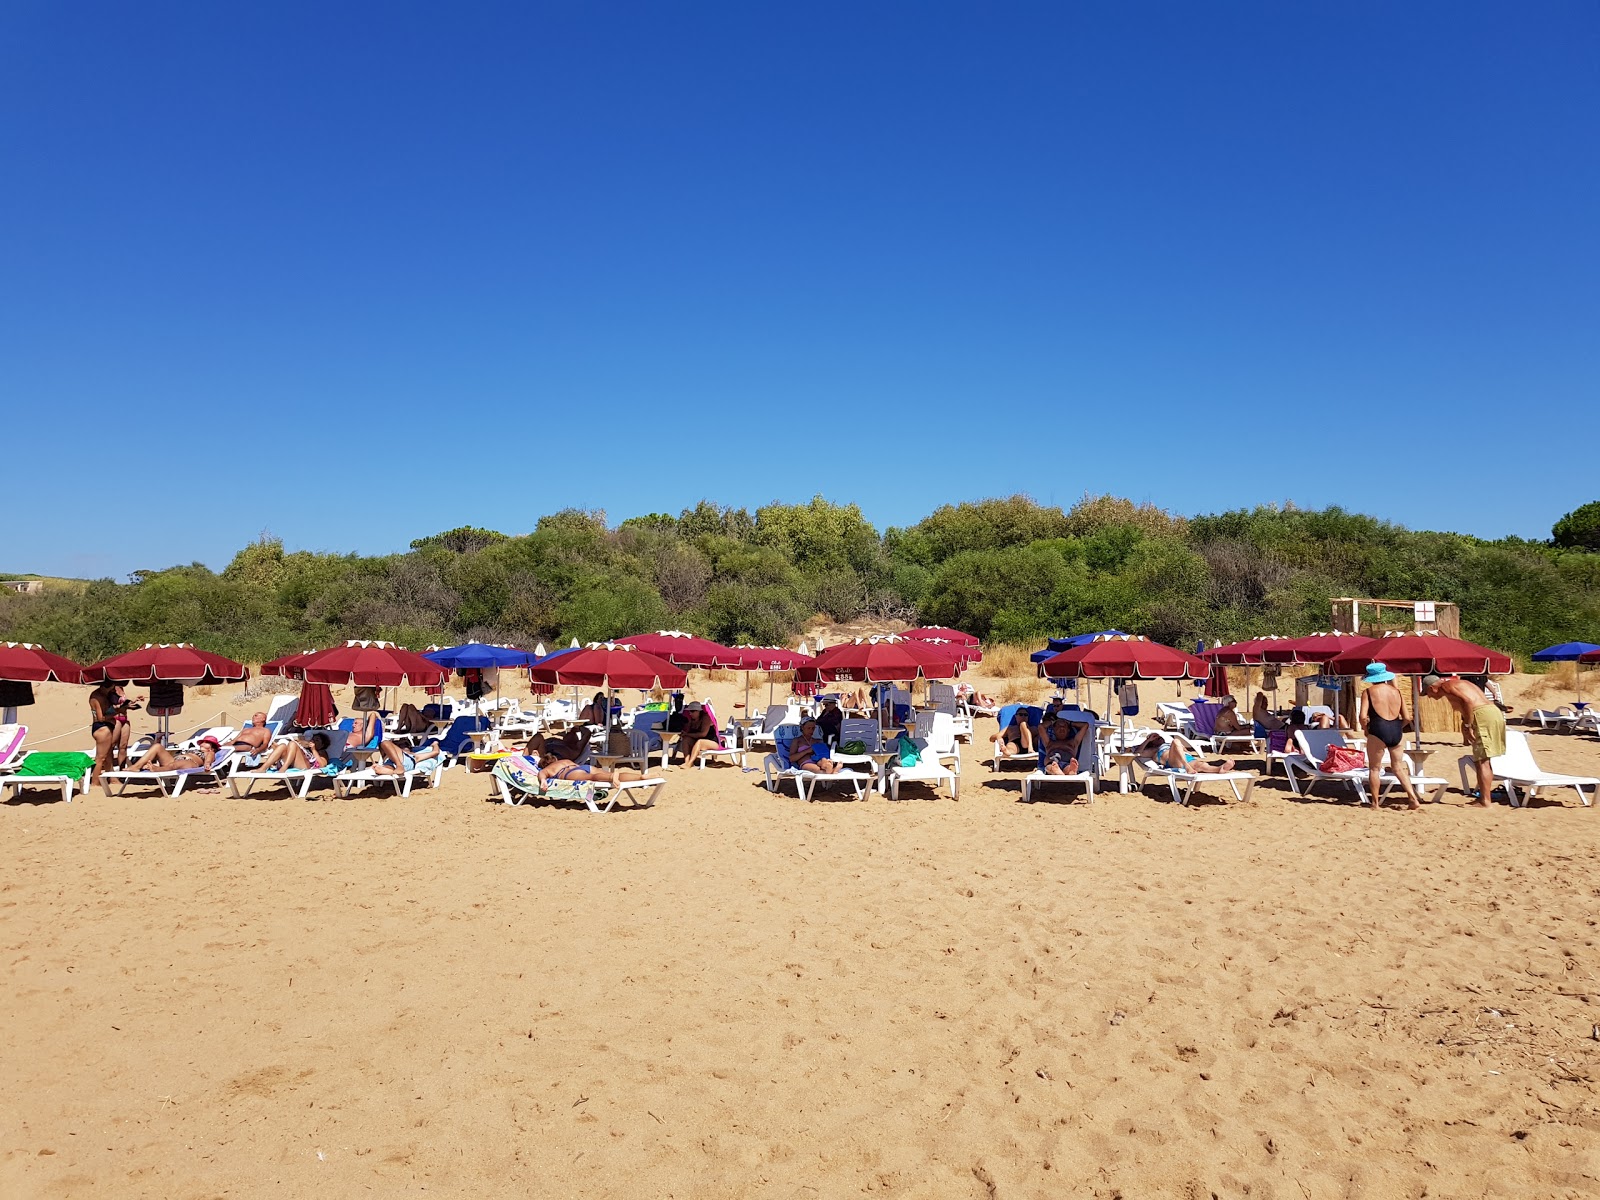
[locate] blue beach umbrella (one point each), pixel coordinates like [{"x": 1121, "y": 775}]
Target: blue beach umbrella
[
  {"x": 477, "y": 656},
  {"x": 1567, "y": 652}
]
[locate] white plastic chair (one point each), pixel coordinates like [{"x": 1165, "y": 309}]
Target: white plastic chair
[{"x": 1516, "y": 768}]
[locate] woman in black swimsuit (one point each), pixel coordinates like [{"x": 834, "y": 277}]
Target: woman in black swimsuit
[
  {"x": 108, "y": 723},
  {"x": 1383, "y": 717}
]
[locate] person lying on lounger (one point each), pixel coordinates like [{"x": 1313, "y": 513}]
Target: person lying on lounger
[
  {"x": 398, "y": 759},
  {"x": 1062, "y": 741},
  {"x": 561, "y": 769},
  {"x": 159, "y": 758},
  {"x": 252, "y": 741},
  {"x": 1172, "y": 756},
  {"x": 301, "y": 754},
  {"x": 808, "y": 752}
]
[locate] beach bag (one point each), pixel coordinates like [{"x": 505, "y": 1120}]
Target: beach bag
[
  {"x": 618, "y": 742},
  {"x": 854, "y": 747},
  {"x": 906, "y": 753},
  {"x": 474, "y": 682},
  {"x": 1342, "y": 758},
  {"x": 366, "y": 699}
]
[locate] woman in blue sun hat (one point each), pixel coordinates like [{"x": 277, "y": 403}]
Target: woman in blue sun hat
[{"x": 1383, "y": 716}]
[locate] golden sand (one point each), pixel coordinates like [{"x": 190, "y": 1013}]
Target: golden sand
[{"x": 736, "y": 993}]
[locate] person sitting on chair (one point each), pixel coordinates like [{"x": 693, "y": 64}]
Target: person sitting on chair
[
  {"x": 699, "y": 732},
  {"x": 1266, "y": 721},
  {"x": 1016, "y": 738},
  {"x": 1062, "y": 741},
  {"x": 830, "y": 719},
  {"x": 594, "y": 712},
  {"x": 1228, "y": 723},
  {"x": 251, "y": 742},
  {"x": 808, "y": 752},
  {"x": 162, "y": 759},
  {"x": 1172, "y": 756}
]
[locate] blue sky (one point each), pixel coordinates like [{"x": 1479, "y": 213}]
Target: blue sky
[{"x": 358, "y": 273}]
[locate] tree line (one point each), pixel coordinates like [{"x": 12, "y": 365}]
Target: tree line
[{"x": 1005, "y": 569}]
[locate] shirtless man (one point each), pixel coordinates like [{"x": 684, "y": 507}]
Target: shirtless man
[
  {"x": 1228, "y": 722},
  {"x": 1383, "y": 716},
  {"x": 1062, "y": 741},
  {"x": 1483, "y": 726},
  {"x": 252, "y": 741}
]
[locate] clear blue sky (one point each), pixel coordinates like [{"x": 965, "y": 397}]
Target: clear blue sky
[{"x": 358, "y": 273}]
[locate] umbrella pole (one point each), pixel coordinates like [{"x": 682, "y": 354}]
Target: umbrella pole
[
  {"x": 1416, "y": 716},
  {"x": 8, "y": 716}
]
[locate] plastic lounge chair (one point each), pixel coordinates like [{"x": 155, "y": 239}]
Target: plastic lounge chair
[
  {"x": 11, "y": 751},
  {"x": 939, "y": 729},
  {"x": 11, "y": 782},
  {"x": 731, "y": 750},
  {"x": 778, "y": 715},
  {"x": 1182, "y": 783},
  {"x": 937, "y": 746},
  {"x": 999, "y": 759},
  {"x": 1304, "y": 769},
  {"x": 345, "y": 783},
  {"x": 298, "y": 781},
  {"x": 1516, "y": 769},
  {"x": 1566, "y": 717},
  {"x": 1205, "y": 713},
  {"x": 776, "y": 767},
  {"x": 1088, "y": 761},
  {"x": 517, "y": 779},
  {"x": 1174, "y": 714},
  {"x": 857, "y": 729},
  {"x": 170, "y": 782}
]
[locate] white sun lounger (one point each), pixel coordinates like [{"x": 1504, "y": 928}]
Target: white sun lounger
[
  {"x": 1516, "y": 769},
  {"x": 346, "y": 783},
  {"x": 1566, "y": 717},
  {"x": 1182, "y": 784},
  {"x": 1088, "y": 761},
  {"x": 1304, "y": 770},
  {"x": 10, "y": 782},
  {"x": 775, "y": 772},
  {"x": 11, "y": 750},
  {"x": 170, "y": 782},
  {"x": 591, "y": 793}
]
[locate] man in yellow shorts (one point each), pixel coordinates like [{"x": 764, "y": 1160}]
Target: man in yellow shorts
[{"x": 1483, "y": 725}]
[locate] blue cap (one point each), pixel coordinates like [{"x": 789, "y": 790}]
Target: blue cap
[{"x": 1377, "y": 673}]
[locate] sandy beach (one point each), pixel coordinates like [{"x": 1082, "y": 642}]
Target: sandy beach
[{"x": 735, "y": 993}]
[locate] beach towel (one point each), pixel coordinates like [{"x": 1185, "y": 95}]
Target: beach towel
[
  {"x": 56, "y": 762},
  {"x": 521, "y": 772}
]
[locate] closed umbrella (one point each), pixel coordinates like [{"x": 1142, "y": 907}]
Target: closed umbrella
[
  {"x": 315, "y": 707},
  {"x": 23, "y": 664}
]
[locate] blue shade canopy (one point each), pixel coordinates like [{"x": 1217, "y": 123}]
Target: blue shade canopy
[
  {"x": 476, "y": 655},
  {"x": 1564, "y": 652},
  {"x": 1057, "y": 645}
]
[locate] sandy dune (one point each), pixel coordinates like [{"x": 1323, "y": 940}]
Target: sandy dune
[{"x": 736, "y": 993}]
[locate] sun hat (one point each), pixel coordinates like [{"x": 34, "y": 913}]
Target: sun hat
[
  {"x": 694, "y": 706},
  {"x": 1377, "y": 673},
  {"x": 212, "y": 740}
]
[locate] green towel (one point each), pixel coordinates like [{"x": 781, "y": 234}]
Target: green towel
[{"x": 56, "y": 762}]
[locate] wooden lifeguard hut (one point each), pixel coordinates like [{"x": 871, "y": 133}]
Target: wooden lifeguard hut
[{"x": 1374, "y": 618}]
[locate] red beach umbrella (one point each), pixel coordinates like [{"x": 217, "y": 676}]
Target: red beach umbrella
[
  {"x": 1421, "y": 653},
  {"x": 179, "y": 663},
  {"x": 315, "y": 707},
  {"x": 1249, "y": 653},
  {"x": 962, "y": 655},
  {"x": 1313, "y": 647},
  {"x": 924, "y": 633},
  {"x": 610, "y": 666},
  {"x": 365, "y": 664},
  {"x": 769, "y": 658},
  {"x": 1124, "y": 658},
  {"x": 881, "y": 660},
  {"x": 24, "y": 662},
  {"x": 281, "y": 666},
  {"x": 681, "y": 649}
]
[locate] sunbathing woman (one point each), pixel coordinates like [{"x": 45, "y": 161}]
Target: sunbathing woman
[
  {"x": 1228, "y": 722},
  {"x": 805, "y": 748},
  {"x": 1171, "y": 755},
  {"x": 1062, "y": 741},
  {"x": 562, "y": 769},
  {"x": 161, "y": 759},
  {"x": 304, "y": 754}
]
